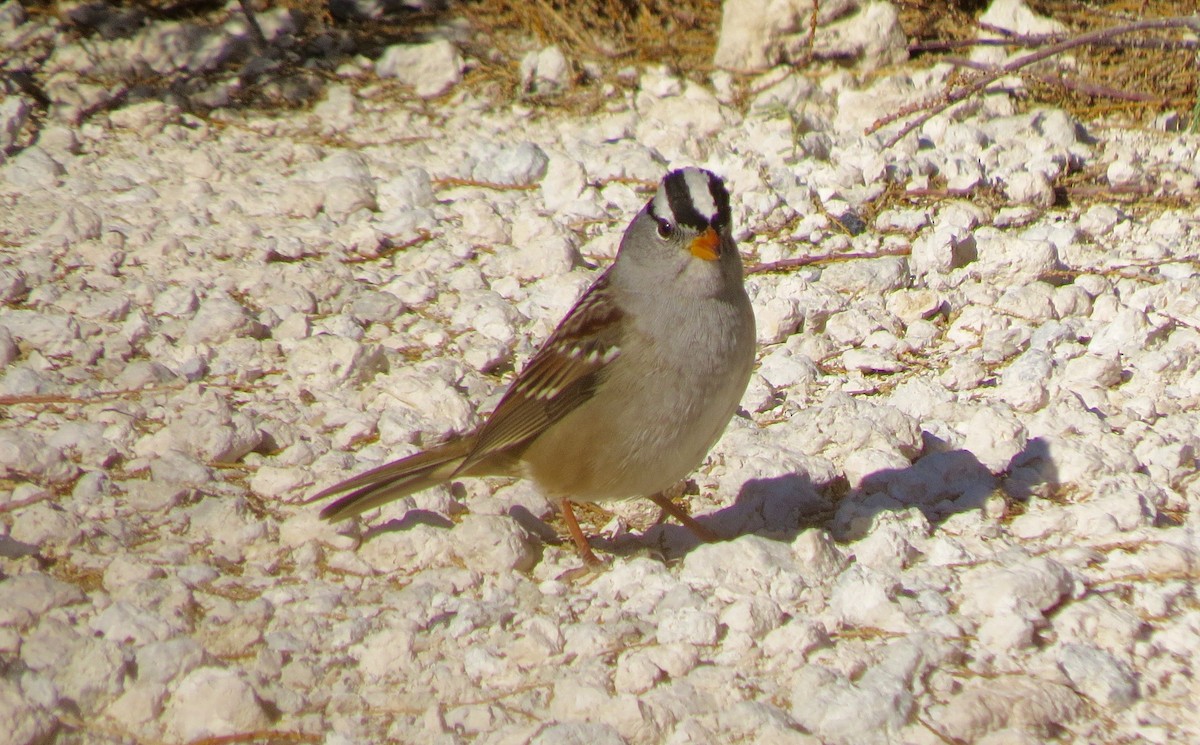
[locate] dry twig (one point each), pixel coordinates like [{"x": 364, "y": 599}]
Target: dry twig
[
  {"x": 801, "y": 261},
  {"x": 1103, "y": 36}
]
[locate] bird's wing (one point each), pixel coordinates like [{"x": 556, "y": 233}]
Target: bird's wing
[{"x": 561, "y": 376}]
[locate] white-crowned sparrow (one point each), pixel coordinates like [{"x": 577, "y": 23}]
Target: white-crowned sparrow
[{"x": 631, "y": 390}]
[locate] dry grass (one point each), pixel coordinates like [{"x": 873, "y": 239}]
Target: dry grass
[{"x": 603, "y": 39}]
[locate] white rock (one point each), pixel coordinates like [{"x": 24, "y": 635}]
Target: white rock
[
  {"x": 750, "y": 565},
  {"x": 940, "y": 250},
  {"x": 220, "y": 318},
  {"x": 1029, "y": 188},
  {"x": 866, "y": 598},
  {"x": 1026, "y": 588},
  {"x": 875, "y": 276},
  {"x": 870, "y": 361},
  {"x": 25, "y": 597},
  {"x": 1004, "y": 634},
  {"x": 818, "y": 554},
  {"x": 87, "y": 670},
  {"x": 417, "y": 546},
  {"x": 1015, "y": 16},
  {"x": 342, "y": 197},
  {"x": 334, "y": 358},
  {"x": 274, "y": 481},
  {"x": 1124, "y": 172},
  {"x": 213, "y": 702},
  {"x": 124, "y": 623},
  {"x": 994, "y": 436},
  {"x": 294, "y": 326},
  {"x": 541, "y": 248},
  {"x": 636, "y": 673},
  {"x": 577, "y": 733},
  {"x": 872, "y": 35},
  {"x": 870, "y": 710},
  {"x": 14, "y": 112},
  {"x": 139, "y": 708},
  {"x": 23, "y": 455},
  {"x": 13, "y": 284},
  {"x": 915, "y": 304},
  {"x": 753, "y": 33},
  {"x": 1127, "y": 333},
  {"x": 481, "y": 222},
  {"x": 74, "y": 224},
  {"x": 687, "y": 625},
  {"x": 521, "y": 164},
  {"x": 412, "y": 187},
  {"x": 24, "y": 720},
  {"x": 776, "y": 313},
  {"x": 1024, "y": 703},
  {"x": 1100, "y": 219},
  {"x": 564, "y": 182},
  {"x": 545, "y": 71},
  {"x": 431, "y": 69},
  {"x": 33, "y": 168},
  {"x": 1095, "y": 674},
  {"x": 210, "y": 431},
  {"x": 493, "y": 543},
  {"x": 667, "y": 123},
  {"x": 1016, "y": 259},
  {"x": 753, "y": 616},
  {"x": 1025, "y": 383},
  {"x": 783, "y": 367},
  {"x": 52, "y": 334},
  {"x": 166, "y": 661}
]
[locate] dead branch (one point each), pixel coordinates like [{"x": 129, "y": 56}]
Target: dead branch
[
  {"x": 980, "y": 83},
  {"x": 784, "y": 265},
  {"x": 1061, "y": 81}
]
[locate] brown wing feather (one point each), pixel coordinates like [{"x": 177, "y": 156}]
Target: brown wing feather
[
  {"x": 560, "y": 377},
  {"x": 393, "y": 480}
]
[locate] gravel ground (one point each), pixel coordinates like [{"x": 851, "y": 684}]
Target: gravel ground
[{"x": 960, "y": 495}]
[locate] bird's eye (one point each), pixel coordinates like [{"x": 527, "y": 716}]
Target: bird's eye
[{"x": 665, "y": 228}]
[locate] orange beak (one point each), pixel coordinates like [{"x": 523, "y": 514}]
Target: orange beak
[{"x": 707, "y": 245}]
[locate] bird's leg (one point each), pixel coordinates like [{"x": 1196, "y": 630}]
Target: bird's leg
[
  {"x": 688, "y": 522},
  {"x": 585, "y": 551}
]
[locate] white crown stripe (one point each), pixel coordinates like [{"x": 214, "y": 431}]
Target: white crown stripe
[{"x": 698, "y": 192}]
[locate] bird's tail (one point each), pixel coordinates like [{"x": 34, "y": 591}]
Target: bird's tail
[{"x": 395, "y": 480}]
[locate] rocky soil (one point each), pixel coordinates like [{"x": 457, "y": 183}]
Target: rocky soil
[{"x": 960, "y": 497}]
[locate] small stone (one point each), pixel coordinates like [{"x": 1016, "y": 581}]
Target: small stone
[
  {"x": 941, "y": 250},
  {"x": 545, "y": 71},
  {"x": 1035, "y": 585},
  {"x": 432, "y": 69},
  {"x": 1094, "y": 673},
  {"x": 33, "y": 168},
  {"x": 334, "y": 358},
  {"x": 211, "y": 702},
  {"x": 687, "y": 625},
  {"x": 25, "y": 722},
  {"x": 220, "y": 318},
  {"x": 14, "y": 112},
  {"x": 492, "y": 544},
  {"x": 519, "y": 165},
  {"x": 25, "y": 455},
  {"x": 411, "y": 188},
  {"x": 1016, "y": 701},
  {"x": 25, "y": 597}
]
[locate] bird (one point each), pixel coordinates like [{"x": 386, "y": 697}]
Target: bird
[{"x": 631, "y": 390}]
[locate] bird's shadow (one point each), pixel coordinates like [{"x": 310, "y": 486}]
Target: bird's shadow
[{"x": 940, "y": 482}]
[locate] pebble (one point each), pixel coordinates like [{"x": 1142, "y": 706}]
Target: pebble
[
  {"x": 431, "y": 69},
  {"x": 1095, "y": 674},
  {"x": 213, "y": 702}
]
